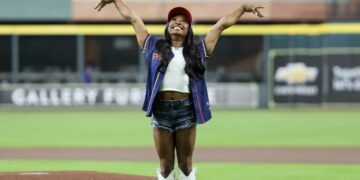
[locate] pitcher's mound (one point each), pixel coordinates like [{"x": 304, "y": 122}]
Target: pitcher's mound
[{"x": 73, "y": 175}]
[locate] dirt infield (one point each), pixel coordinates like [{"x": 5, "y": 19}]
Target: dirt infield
[
  {"x": 242, "y": 155},
  {"x": 69, "y": 175}
]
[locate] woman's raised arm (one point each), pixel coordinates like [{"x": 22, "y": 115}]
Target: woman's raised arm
[
  {"x": 130, "y": 15},
  {"x": 226, "y": 22}
]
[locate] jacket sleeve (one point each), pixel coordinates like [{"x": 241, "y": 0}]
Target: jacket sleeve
[
  {"x": 149, "y": 47},
  {"x": 202, "y": 48}
]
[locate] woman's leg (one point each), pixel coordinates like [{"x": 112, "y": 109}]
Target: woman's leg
[
  {"x": 165, "y": 146},
  {"x": 185, "y": 143}
]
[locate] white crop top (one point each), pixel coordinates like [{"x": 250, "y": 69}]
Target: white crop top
[{"x": 175, "y": 78}]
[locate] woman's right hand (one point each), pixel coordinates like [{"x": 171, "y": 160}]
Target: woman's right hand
[
  {"x": 130, "y": 16},
  {"x": 253, "y": 9},
  {"x": 103, "y": 3}
]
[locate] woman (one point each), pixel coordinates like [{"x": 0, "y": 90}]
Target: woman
[{"x": 176, "y": 94}]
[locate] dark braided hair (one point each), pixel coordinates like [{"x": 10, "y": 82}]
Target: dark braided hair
[{"x": 194, "y": 67}]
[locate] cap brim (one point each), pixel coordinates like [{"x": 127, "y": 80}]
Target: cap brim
[{"x": 180, "y": 11}]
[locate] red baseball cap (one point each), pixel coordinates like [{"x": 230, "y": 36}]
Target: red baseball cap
[{"x": 180, "y": 11}]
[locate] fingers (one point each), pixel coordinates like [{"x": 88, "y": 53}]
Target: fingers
[
  {"x": 256, "y": 8},
  {"x": 257, "y": 11},
  {"x": 103, "y": 5},
  {"x": 260, "y": 15},
  {"x": 98, "y": 5}
]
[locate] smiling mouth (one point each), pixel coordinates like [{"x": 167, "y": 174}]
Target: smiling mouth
[{"x": 177, "y": 28}]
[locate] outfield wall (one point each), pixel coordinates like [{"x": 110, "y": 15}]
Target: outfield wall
[
  {"x": 122, "y": 95},
  {"x": 297, "y": 63},
  {"x": 315, "y": 76}
]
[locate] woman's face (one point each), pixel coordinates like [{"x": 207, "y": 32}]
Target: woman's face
[{"x": 178, "y": 25}]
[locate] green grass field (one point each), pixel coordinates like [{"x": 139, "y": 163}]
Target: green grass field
[
  {"x": 243, "y": 128},
  {"x": 227, "y": 128}
]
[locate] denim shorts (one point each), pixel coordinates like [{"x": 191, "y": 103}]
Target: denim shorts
[{"x": 173, "y": 115}]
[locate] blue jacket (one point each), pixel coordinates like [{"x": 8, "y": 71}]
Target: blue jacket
[{"x": 198, "y": 87}]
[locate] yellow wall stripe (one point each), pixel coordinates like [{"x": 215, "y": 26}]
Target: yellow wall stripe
[{"x": 287, "y": 29}]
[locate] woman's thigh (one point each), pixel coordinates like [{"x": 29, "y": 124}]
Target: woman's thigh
[
  {"x": 185, "y": 143},
  {"x": 164, "y": 143}
]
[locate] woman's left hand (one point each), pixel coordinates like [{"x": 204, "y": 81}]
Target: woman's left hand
[
  {"x": 103, "y": 3},
  {"x": 253, "y": 9}
]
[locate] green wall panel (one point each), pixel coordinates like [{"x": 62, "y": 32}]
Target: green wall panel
[{"x": 35, "y": 10}]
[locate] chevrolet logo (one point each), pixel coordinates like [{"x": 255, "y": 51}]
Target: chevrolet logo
[{"x": 296, "y": 73}]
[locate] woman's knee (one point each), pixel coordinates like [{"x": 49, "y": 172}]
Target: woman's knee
[
  {"x": 167, "y": 166},
  {"x": 185, "y": 164}
]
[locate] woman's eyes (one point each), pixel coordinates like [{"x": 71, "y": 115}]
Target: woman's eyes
[{"x": 183, "y": 20}]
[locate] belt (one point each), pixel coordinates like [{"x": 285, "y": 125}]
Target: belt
[{"x": 172, "y": 95}]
